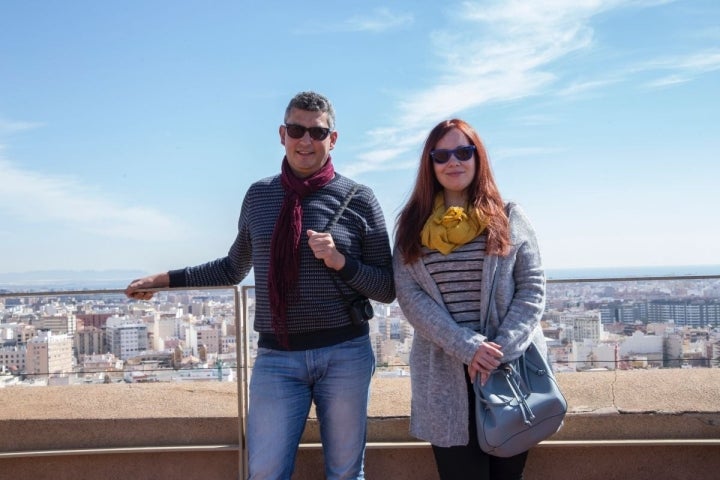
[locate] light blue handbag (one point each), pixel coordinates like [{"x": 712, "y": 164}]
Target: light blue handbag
[{"x": 519, "y": 406}]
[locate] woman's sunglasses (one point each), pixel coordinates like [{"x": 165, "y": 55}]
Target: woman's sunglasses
[
  {"x": 298, "y": 131},
  {"x": 463, "y": 154}
]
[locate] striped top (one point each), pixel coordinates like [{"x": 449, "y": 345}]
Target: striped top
[
  {"x": 458, "y": 276},
  {"x": 317, "y": 312}
]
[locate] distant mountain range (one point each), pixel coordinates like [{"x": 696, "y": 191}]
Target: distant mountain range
[
  {"x": 74, "y": 279},
  {"x": 69, "y": 279},
  {"x": 118, "y": 279},
  {"x": 630, "y": 271}
]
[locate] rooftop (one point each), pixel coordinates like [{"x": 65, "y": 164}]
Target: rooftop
[
  {"x": 622, "y": 424},
  {"x": 634, "y": 424}
]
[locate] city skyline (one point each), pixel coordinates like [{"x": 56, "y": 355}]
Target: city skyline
[
  {"x": 130, "y": 132},
  {"x": 589, "y": 325}
]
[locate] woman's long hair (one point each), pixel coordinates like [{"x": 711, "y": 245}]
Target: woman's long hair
[{"x": 482, "y": 193}]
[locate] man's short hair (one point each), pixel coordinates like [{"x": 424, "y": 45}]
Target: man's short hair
[{"x": 312, "y": 102}]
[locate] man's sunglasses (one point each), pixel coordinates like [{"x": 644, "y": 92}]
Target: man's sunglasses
[
  {"x": 441, "y": 156},
  {"x": 298, "y": 131}
]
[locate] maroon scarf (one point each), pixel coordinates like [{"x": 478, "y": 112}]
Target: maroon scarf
[{"x": 284, "y": 259}]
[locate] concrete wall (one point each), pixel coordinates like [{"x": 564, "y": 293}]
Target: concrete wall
[{"x": 190, "y": 430}]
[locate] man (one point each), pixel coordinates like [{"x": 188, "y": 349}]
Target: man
[{"x": 310, "y": 347}]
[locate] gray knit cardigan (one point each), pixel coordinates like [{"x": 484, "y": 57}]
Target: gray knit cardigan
[{"x": 442, "y": 349}]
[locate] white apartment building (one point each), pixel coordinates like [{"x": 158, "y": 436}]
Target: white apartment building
[
  {"x": 103, "y": 362},
  {"x": 49, "y": 354},
  {"x": 190, "y": 339},
  {"x": 58, "y": 324},
  {"x": 126, "y": 337},
  {"x": 673, "y": 344},
  {"x": 210, "y": 337},
  {"x": 165, "y": 326},
  {"x": 587, "y": 355},
  {"x": 583, "y": 326},
  {"x": 7, "y": 332},
  {"x": 16, "y": 332},
  {"x": 715, "y": 357},
  {"x": 639, "y": 345},
  {"x": 198, "y": 308},
  {"x": 13, "y": 357},
  {"x": 89, "y": 340},
  {"x": 228, "y": 344}
]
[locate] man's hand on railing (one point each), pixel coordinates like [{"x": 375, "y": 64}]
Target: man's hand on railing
[{"x": 139, "y": 288}]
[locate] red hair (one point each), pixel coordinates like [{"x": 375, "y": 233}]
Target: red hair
[{"x": 482, "y": 193}]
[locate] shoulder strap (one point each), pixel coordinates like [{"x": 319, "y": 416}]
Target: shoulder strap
[
  {"x": 332, "y": 222},
  {"x": 342, "y": 208}
]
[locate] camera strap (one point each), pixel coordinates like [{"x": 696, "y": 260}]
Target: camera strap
[
  {"x": 342, "y": 208},
  {"x": 331, "y": 224}
]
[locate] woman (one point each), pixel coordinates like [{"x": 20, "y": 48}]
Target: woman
[{"x": 468, "y": 277}]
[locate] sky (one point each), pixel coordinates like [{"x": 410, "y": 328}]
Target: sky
[{"x": 131, "y": 130}]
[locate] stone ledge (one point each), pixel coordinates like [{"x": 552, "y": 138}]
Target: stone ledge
[{"x": 650, "y": 404}]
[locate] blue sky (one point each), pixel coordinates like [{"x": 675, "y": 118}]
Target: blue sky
[{"x": 130, "y": 131}]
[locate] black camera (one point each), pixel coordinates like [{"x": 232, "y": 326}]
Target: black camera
[{"x": 361, "y": 311}]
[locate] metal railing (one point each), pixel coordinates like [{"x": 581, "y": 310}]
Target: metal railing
[
  {"x": 242, "y": 353},
  {"x": 240, "y": 299}
]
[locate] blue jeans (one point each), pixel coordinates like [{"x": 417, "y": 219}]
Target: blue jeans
[{"x": 282, "y": 387}]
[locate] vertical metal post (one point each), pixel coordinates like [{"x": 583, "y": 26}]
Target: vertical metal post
[{"x": 242, "y": 349}]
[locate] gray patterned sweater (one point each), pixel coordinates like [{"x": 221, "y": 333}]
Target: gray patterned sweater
[
  {"x": 442, "y": 348},
  {"x": 319, "y": 314}
]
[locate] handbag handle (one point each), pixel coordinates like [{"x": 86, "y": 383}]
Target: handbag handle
[
  {"x": 511, "y": 371},
  {"x": 510, "y": 376}
]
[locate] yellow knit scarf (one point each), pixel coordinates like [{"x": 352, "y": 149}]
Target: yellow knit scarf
[{"x": 447, "y": 229}]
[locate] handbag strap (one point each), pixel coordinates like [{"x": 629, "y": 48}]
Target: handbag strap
[
  {"x": 517, "y": 396},
  {"x": 491, "y": 296}
]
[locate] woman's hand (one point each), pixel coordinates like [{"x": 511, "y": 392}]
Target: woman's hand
[{"x": 486, "y": 359}]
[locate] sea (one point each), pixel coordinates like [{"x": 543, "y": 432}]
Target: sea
[
  {"x": 118, "y": 279},
  {"x": 629, "y": 271}
]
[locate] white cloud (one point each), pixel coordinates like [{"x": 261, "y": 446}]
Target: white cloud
[
  {"x": 376, "y": 21},
  {"x": 449, "y": 99},
  {"x": 503, "y": 50},
  {"x": 670, "y": 71},
  {"x": 682, "y": 68},
  {"x": 495, "y": 51},
  {"x": 379, "y": 20},
  {"x": 14, "y": 126},
  {"x": 535, "y": 120},
  {"x": 668, "y": 81},
  {"x": 380, "y": 160},
  {"x": 523, "y": 152},
  {"x": 579, "y": 88},
  {"x": 55, "y": 199}
]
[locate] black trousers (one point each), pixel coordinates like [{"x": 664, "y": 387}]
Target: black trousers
[{"x": 468, "y": 462}]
